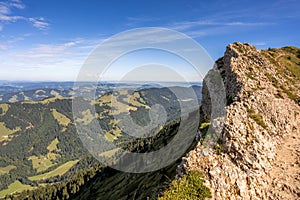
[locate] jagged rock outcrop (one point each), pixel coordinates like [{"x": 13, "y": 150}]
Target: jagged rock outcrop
[{"x": 260, "y": 156}]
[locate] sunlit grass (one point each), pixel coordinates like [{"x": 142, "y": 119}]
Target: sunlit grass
[
  {"x": 16, "y": 186},
  {"x": 61, "y": 119},
  {"x": 6, "y": 170},
  {"x": 58, "y": 171}
]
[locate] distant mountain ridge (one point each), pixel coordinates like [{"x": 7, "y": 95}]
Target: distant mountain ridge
[{"x": 11, "y": 91}]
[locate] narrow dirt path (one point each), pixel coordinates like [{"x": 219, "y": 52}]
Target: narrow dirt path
[{"x": 286, "y": 171}]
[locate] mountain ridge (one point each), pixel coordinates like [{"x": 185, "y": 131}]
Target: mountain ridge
[{"x": 257, "y": 155}]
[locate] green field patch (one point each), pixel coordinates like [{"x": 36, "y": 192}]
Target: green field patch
[
  {"x": 117, "y": 131},
  {"x": 106, "y": 99},
  {"x": 54, "y": 93},
  {"x": 16, "y": 186},
  {"x": 124, "y": 106},
  {"x": 6, "y": 170},
  {"x": 121, "y": 103},
  {"x": 4, "y": 107},
  {"x": 26, "y": 98},
  {"x": 87, "y": 117},
  {"x": 103, "y": 115},
  {"x": 58, "y": 171},
  {"x": 110, "y": 152},
  {"x": 29, "y": 102},
  {"x": 114, "y": 133},
  {"x": 110, "y": 137},
  {"x": 61, "y": 118},
  {"x": 128, "y": 102},
  {"x": 13, "y": 99},
  {"x": 42, "y": 163},
  {"x": 165, "y": 98},
  {"x": 53, "y": 145},
  {"x": 47, "y": 101},
  {"x": 137, "y": 101},
  {"x": 4, "y": 131}
]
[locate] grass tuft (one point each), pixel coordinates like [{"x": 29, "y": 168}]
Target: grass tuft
[
  {"x": 189, "y": 187},
  {"x": 258, "y": 119}
]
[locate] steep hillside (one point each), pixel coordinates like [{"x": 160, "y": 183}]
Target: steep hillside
[{"x": 258, "y": 153}]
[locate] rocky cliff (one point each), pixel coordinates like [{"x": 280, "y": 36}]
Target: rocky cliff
[{"x": 258, "y": 153}]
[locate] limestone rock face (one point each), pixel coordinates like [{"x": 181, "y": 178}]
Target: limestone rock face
[{"x": 261, "y": 133}]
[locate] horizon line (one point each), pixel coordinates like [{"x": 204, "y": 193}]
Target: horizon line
[{"x": 107, "y": 81}]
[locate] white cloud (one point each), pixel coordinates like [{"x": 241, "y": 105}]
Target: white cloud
[
  {"x": 5, "y": 11},
  {"x": 8, "y": 18},
  {"x": 56, "y": 51},
  {"x": 39, "y": 23},
  {"x": 17, "y": 5},
  {"x": 10, "y": 42},
  {"x": 186, "y": 25},
  {"x": 45, "y": 61},
  {"x": 6, "y": 15},
  {"x": 214, "y": 26},
  {"x": 180, "y": 26},
  {"x": 62, "y": 61},
  {"x": 4, "y": 8}
]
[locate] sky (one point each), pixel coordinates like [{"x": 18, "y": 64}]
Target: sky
[{"x": 50, "y": 40}]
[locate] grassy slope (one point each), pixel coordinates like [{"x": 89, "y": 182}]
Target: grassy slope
[
  {"x": 61, "y": 119},
  {"x": 58, "y": 171},
  {"x": 5, "y": 170},
  {"x": 287, "y": 61},
  {"x": 4, "y": 108},
  {"x": 16, "y": 186},
  {"x": 4, "y": 131}
]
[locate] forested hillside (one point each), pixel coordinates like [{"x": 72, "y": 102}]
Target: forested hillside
[{"x": 42, "y": 155}]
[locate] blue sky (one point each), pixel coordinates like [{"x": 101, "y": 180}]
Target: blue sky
[{"x": 50, "y": 39}]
